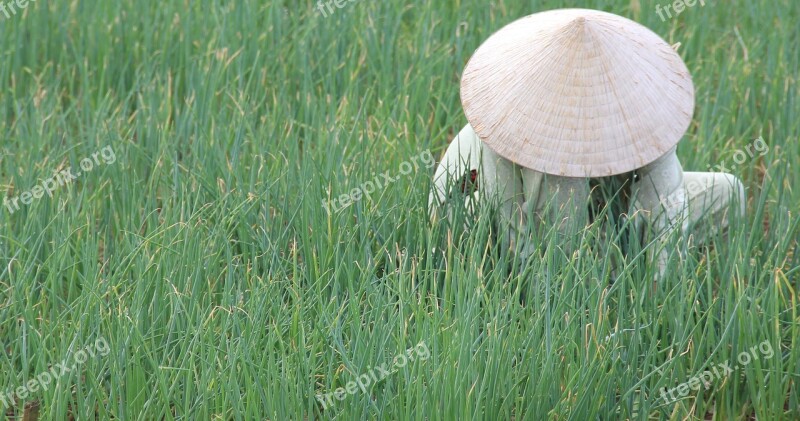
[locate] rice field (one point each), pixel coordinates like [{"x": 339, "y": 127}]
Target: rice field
[{"x": 218, "y": 211}]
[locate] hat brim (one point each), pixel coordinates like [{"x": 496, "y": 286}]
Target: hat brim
[{"x": 578, "y": 93}]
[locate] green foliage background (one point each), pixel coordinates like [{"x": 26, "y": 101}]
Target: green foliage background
[{"x": 205, "y": 258}]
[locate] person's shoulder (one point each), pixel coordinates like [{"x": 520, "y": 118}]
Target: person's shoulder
[
  {"x": 668, "y": 158},
  {"x": 469, "y": 132},
  {"x": 467, "y": 138}
]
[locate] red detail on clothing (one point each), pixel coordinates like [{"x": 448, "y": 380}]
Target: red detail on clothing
[{"x": 472, "y": 183}]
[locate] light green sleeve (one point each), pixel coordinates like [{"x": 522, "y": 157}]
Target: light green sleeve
[
  {"x": 661, "y": 202},
  {"x": 554, "y": 202},
  {"x": 498, "y": 179},
  {"x": 463, "y": 155}
]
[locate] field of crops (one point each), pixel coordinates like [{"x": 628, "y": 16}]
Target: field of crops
[{"x": 216, "y": 210}]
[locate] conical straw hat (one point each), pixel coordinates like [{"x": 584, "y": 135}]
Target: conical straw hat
[{"x": 577, "y": 93}]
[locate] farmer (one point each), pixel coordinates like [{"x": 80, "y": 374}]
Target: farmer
[{"x": 564, "y": 99}]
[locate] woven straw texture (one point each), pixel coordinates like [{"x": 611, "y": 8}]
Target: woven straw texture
[{"x": 578, "y": 93}]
